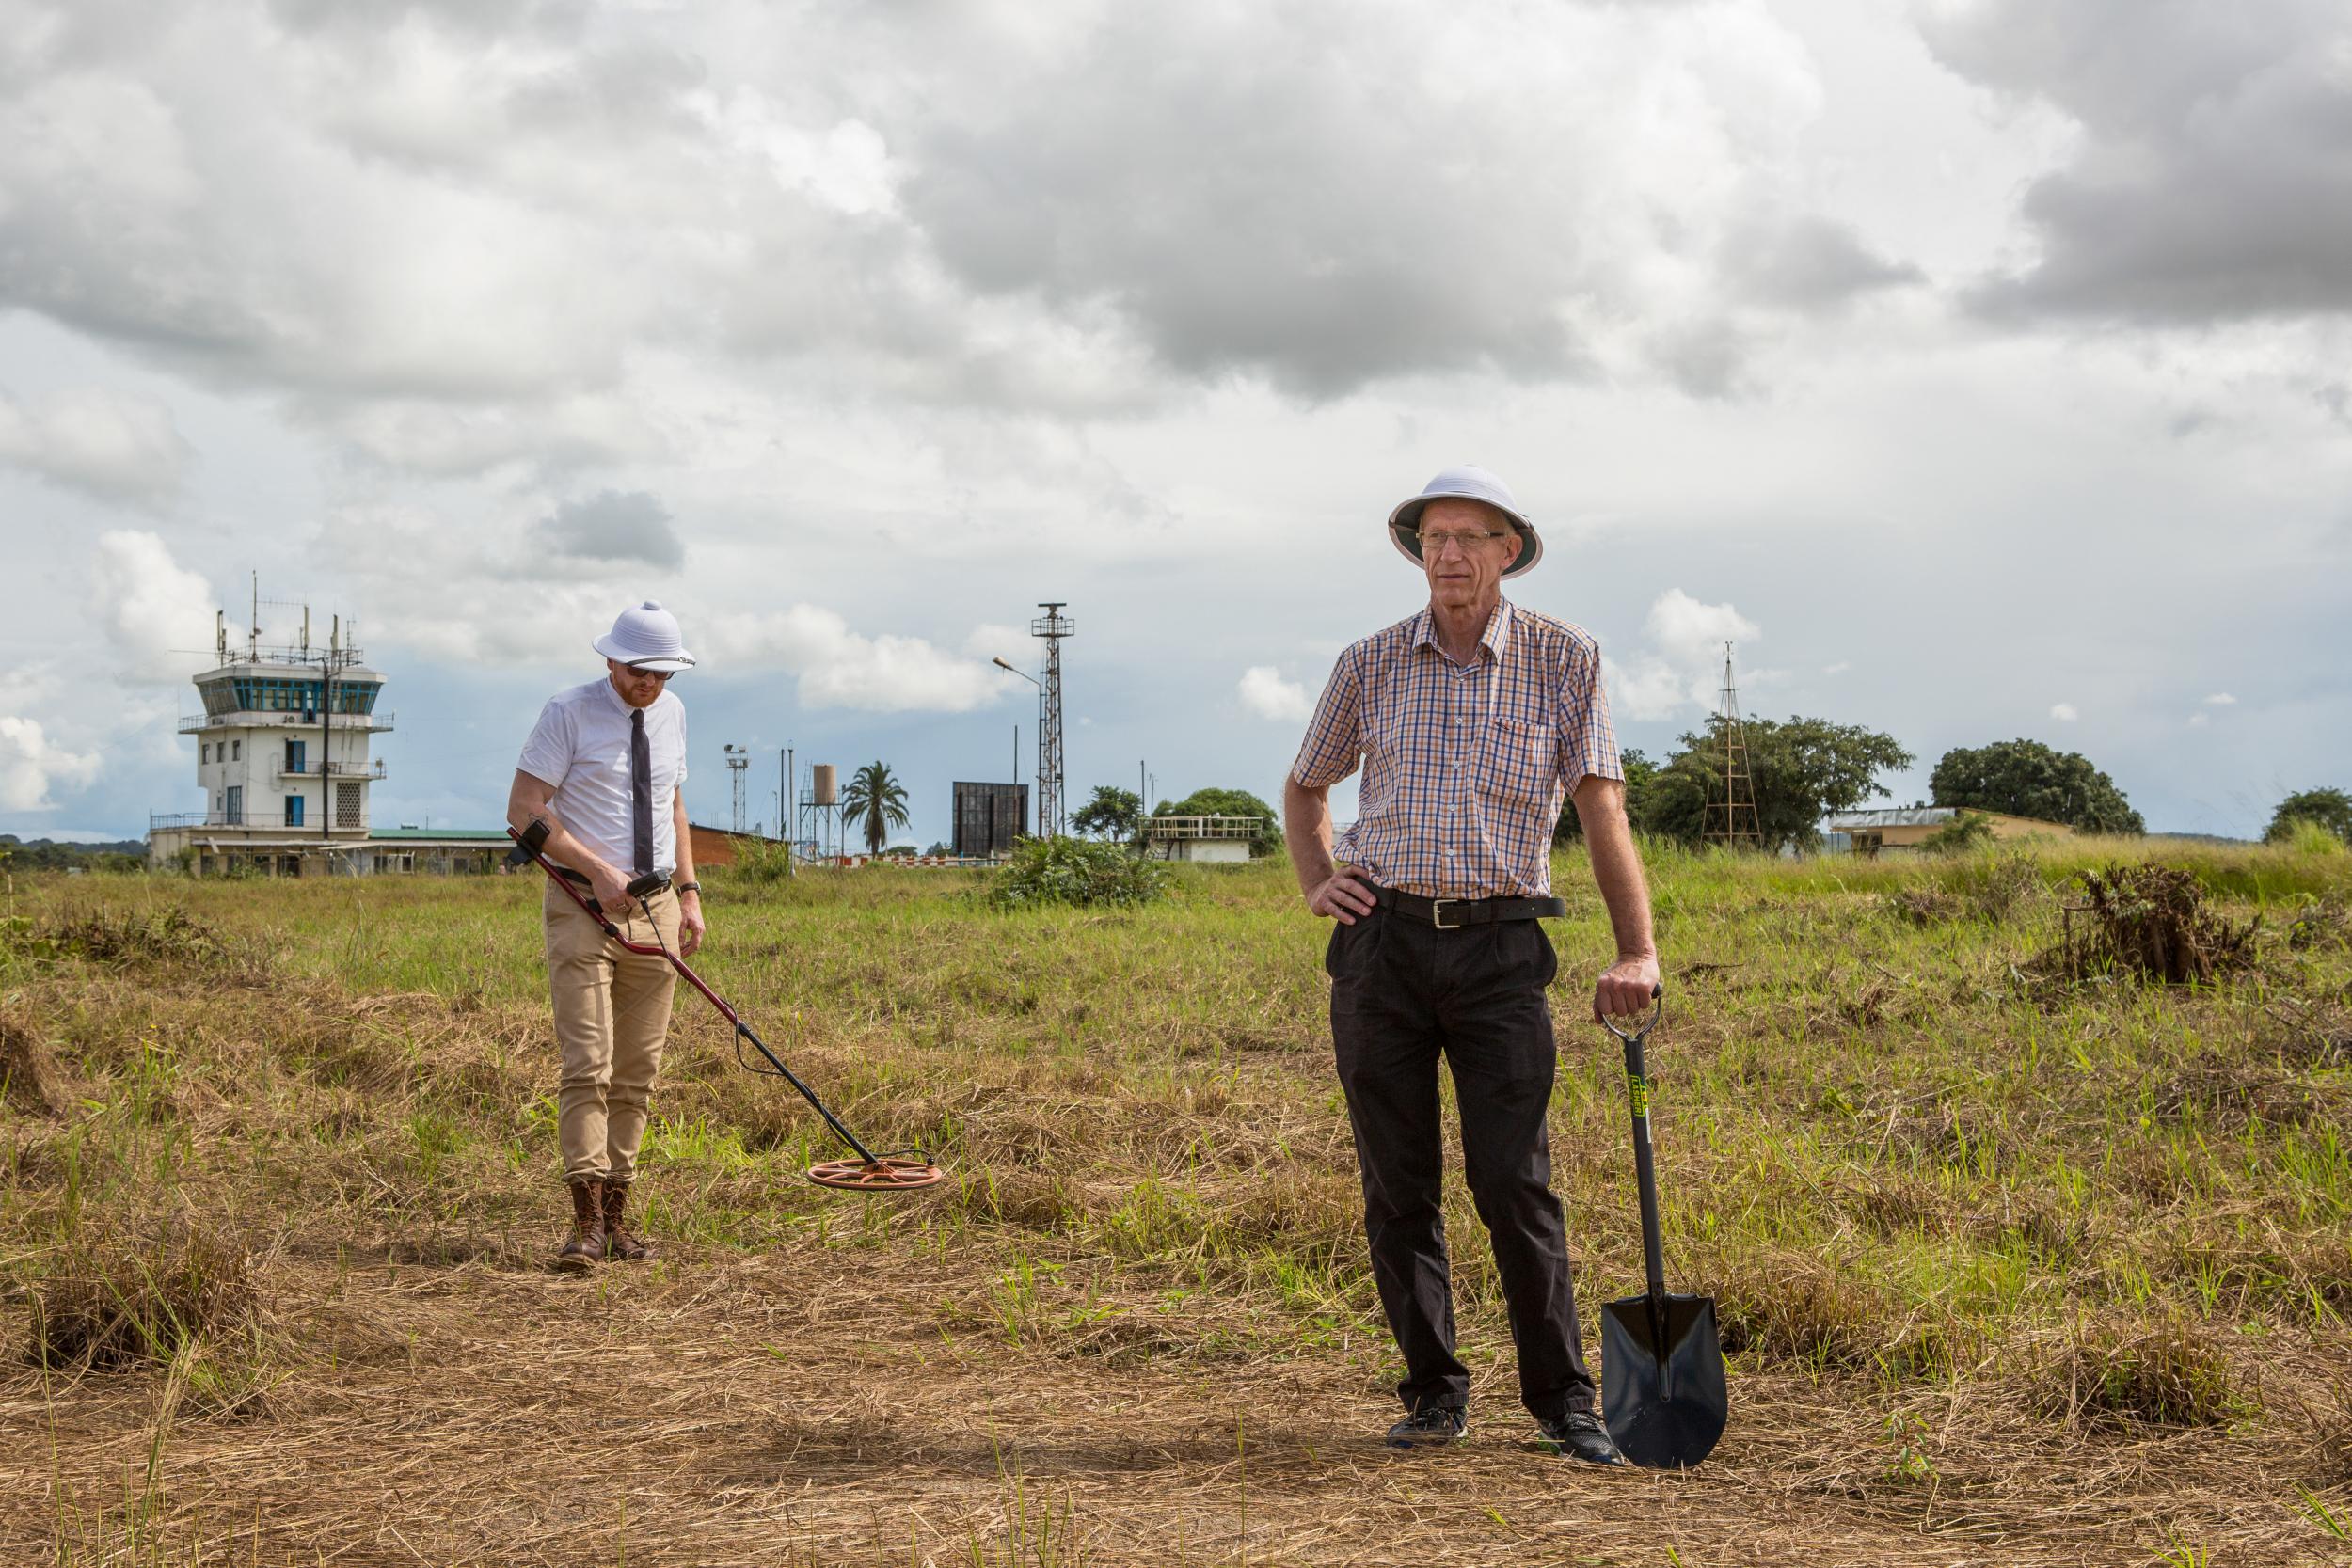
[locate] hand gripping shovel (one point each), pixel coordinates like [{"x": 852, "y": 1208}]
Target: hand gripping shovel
[{"x": 1661, "y": 1364}]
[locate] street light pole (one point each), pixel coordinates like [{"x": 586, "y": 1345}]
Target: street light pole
[{"x": 1041, "y": 737}]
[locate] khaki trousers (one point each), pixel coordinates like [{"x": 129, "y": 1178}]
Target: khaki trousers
[{"x": 611, "y": 1015}]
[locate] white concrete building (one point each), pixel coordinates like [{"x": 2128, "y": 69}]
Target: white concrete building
[
  {"x": 1221, "y": 839},
  {"x": 281, "y": 759}
]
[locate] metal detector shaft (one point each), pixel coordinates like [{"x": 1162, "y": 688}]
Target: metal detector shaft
[{"x": 595, "y": 912}]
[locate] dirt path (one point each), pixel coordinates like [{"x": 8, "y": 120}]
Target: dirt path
[{"x": 811, "y": 1408}]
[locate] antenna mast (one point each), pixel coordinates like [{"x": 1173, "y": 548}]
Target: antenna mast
[
  {"x": 1053, "y": 627},
  {"x": 1732, "y": 821}
]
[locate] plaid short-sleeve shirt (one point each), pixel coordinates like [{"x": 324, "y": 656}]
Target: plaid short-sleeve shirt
[{"x": 1464, "y": 766}]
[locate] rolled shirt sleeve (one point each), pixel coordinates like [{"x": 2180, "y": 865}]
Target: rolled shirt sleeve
[
  {"x": 1588, "y": 741},
  {"x": 548, "y": 754},
  {"x": 1334, "y": 746}
]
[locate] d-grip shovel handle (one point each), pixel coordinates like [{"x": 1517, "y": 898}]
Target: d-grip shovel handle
[{"x": 1645, "y": 1166}]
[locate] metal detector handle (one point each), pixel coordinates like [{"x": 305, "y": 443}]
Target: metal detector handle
[{"x": 1645, "y": 1164}]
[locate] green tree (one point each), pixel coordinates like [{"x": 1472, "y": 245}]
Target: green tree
[
  {"x": 1230, "y": 802},
  {"x": 1639, "y": 772},
  {"x": 2025, "y": 778},
  {"x": 1803, "y": 770},
  {"x": 1113, "y": 812},
  {"x": 2331, "y": 808},
  {"x": 876, "y": 801}
]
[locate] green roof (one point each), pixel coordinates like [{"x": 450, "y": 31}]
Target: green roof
[{"x": 488, "y": 835}]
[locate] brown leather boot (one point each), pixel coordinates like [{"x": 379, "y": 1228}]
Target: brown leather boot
[
  {"x": 620, "y": 1246},
  {"x": 586, "y": 1245}
]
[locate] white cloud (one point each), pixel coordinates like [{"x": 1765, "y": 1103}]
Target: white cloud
[
  {"x": 2199, "y": 721},
  {"x": 1837, "y": 668},
  {"x": 840, "y": 668},
  {"x": 1682, "y": 663},
  {"x": 991, "y": 640},
  {"x": 2220, "y": 699},
  {"x": 2064, "y": 711},
  {"x": 119, "y": 448},
  {"x": 30, "y": 763},
  {"x": 156, "y": 612},
  {"x": 1265, "y": 693}
]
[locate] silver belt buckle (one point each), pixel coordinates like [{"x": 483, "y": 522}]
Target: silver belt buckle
[{"x": 1437, "y": 914}]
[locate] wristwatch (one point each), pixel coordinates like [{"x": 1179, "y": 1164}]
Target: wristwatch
[{"x": 685, "y": 887}]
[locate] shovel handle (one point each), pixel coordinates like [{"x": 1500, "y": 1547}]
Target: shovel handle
[{"x": 1645, "y": 1164}]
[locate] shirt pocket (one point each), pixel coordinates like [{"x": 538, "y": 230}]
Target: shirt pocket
[{"x": 1520, "y": 762}]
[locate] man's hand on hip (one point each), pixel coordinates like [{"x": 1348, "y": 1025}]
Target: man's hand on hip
[
  {"x": 690, "y": 924},
  {"x": 1344, "y": 896},
  {"x": 1625, "y": 988}
]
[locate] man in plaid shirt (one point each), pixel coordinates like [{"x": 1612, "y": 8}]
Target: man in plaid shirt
[{"x": 1469, "y": 721}]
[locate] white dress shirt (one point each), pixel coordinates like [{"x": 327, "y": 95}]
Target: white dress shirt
[{"x": 581, "y": 746}]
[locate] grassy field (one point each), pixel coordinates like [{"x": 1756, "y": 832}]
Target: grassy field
[{"x": 2015, "y": 1268}]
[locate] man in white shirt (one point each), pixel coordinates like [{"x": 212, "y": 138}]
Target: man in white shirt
[{"x": 597, "y": 790}]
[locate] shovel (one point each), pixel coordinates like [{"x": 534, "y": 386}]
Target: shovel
[{"x": 1662, "y": 1362}]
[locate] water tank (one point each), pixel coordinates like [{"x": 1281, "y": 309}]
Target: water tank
[{"x": 828, "y": 785}]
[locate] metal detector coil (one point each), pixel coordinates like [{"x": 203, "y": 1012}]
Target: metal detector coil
[
  {"x": 903, "y": 1170},
  {"x": 887, "y": 1172}
]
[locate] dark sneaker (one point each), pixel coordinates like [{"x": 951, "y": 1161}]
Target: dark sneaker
[
  {"x": 1578, "y": 1434},
  {"x": 1433, "y": 1426}
]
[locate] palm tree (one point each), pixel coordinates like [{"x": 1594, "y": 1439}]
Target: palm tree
[{"x": 872, "y": 793}]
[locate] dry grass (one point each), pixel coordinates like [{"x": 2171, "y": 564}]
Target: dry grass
[{"x": 2010, "y": 1272}]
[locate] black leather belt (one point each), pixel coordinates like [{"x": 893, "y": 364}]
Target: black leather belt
[
  {"x": 1448, "y": 914},
  {"x": 578, "y": 880}
]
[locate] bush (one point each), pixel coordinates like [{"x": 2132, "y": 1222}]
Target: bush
[
  {"x": 1075, "y": 871},
  {"x": 1967, "y": 832},
  {"x": 2150, "y": 921}
]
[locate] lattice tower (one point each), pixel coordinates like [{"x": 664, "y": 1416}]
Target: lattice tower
[
  {"x": 1731, "y": 821},
  {"x": 1053, "y": 627}
]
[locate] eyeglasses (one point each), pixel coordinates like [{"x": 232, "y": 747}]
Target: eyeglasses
[
  {"x": 1469, "y": 539},
  {"x": 655, "y": 674}
]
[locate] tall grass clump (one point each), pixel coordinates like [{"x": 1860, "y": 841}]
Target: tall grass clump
[
  {"x": 762, "y": 859},
  {"x": 110, "y": 1303},
  {"x": 2307, "y": 837},
  {"x": 2168, "y": 1372},
  {"x": 1075, "y": 871}
]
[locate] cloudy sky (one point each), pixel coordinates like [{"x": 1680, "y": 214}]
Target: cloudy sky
[{"x": 1979, "y": 365}]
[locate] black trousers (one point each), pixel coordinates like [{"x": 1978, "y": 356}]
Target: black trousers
[{"x": 1403, "y": 993}]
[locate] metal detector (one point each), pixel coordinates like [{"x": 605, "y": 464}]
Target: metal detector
[
  {"x": 901, "y": 1170},
  {"x": 1662, "y": 1360}
]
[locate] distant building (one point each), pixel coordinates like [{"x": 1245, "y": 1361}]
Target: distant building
[
  {"x": 281, "y": 757},
  {"x": 1200, "y": 838},
  {"x": 1908, "y": 827}
]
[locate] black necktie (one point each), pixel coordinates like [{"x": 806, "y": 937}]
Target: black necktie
[{"x": 641, "y": 789}]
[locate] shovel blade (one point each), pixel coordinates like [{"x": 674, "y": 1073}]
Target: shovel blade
[{"x": 1666, "y": 1404}]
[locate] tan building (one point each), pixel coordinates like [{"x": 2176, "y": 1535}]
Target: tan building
[{"x": 1909, "y": 826}]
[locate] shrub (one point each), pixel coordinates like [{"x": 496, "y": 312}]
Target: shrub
[
  {"x": 2151, "y": 922},
  {"x": 1969, "y": 830},
  {"x": 1075, "y": 871}
]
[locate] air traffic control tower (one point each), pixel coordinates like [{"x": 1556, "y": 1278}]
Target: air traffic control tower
[{"x": 281, "y": 755}]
